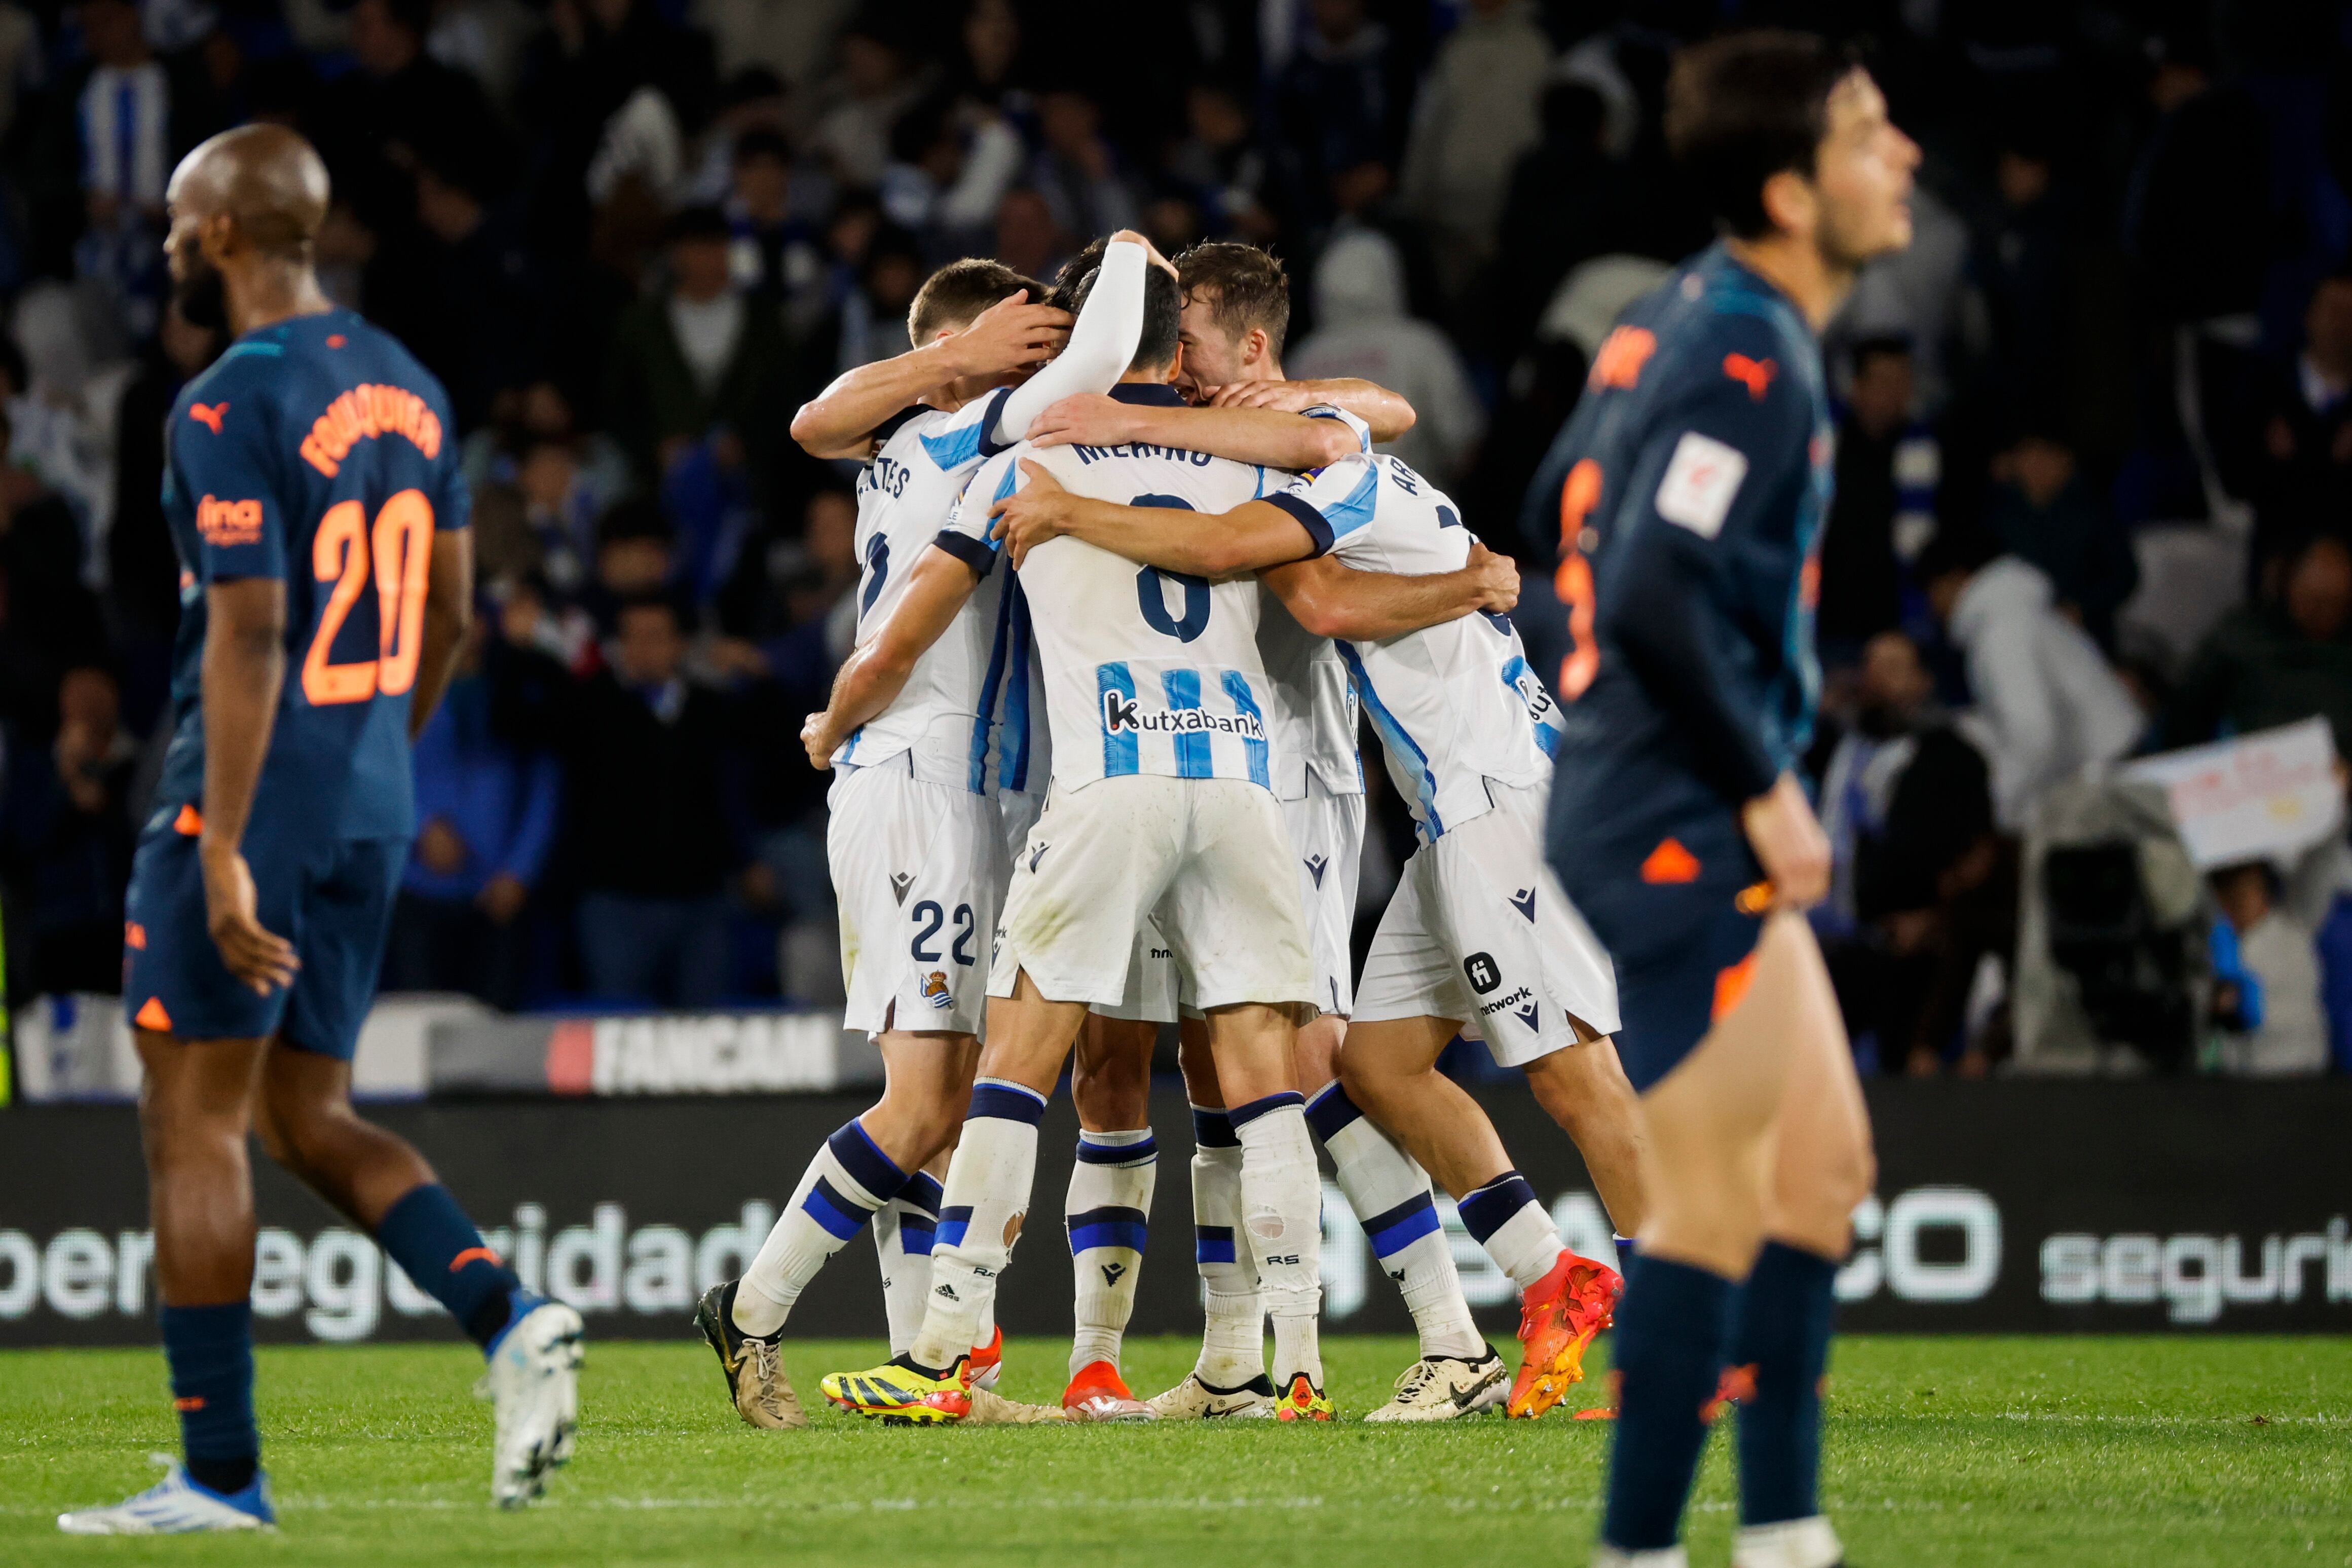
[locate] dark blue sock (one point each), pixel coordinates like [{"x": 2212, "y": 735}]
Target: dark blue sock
[
  {"x": 210, "y": 1351},
  {"x": 441, "y": 1252},
  {"x": 1780, "y": 1332},
  {"x": 1670, "y": 1334}
]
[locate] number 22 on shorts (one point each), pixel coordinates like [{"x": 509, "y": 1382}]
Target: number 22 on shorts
[{"x": 400, "y": 546}]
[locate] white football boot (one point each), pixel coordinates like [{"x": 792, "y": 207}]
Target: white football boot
[
  {"x": 1439, "y": 1388},
  {"x": 534, "y": 1376},
  {"x": 177, "y": 1505},
  {"x": 1194, "y": 1399}
]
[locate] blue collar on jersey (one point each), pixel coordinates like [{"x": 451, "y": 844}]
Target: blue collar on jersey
[{"x": 1155, "y": 393}]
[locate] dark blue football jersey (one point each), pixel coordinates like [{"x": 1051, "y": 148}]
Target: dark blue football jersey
[
  {"x": 319, "y": 453},
  {"x": 1691, "y": 487}
]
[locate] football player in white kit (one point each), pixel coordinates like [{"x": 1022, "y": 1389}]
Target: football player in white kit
[
  {"x": 1235, "y": 310},
  {"x": 1161, "y": 810},
  {"x": 917, "y": 859},
  {"x": 1476, "y": 935},
  {"x": 1236, "y": 313}
]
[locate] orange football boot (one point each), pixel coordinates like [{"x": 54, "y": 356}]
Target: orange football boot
[
  {"x": 1302, "y": 1401},
  {"x": 1558, "y": 1318},
  {"x": 987, "y": 1362},
  {"x": 1098, "y": 1394}
]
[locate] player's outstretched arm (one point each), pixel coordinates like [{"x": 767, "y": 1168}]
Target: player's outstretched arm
[
  {"x": 1388, "y": 414},
  {"x": 243, "y": 671},
  {"x": 1010, "y": 335},
  {"x": 448, "y": 612},
  {"x": 1266, "y": 436},
  {"x": 1102, "y": 340},
  {"x": 874, "y": 674},
  {"x": 1332, "y": 600},
  {"x": 1205, "y": 544}
]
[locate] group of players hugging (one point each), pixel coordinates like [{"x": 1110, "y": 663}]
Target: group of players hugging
[{"x": 1126, "y": 594}]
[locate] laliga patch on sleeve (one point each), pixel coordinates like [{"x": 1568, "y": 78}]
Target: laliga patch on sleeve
[{"x": 1701, "y": 477}]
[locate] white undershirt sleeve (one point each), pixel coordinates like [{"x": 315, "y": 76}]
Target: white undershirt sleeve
[{"x": 1101, "y": 346}]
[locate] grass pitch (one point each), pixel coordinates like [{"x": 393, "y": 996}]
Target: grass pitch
[{"x": 2138, "y": 1452}]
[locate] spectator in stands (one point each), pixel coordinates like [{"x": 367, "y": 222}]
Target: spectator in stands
[
  {"x": 2305, "y": 477},
  {"x": 49, "y": 620},
  {"x": 128, "y": 147},
  {"x": 658, "y": 826},
  {"x": 2018, "y": 261},
  {"x": 487, "y": 812},
  {"x": 1078, "y": 170},
  {"x": 1363, "y": 331},
  {"x": 693, "y": 357},
  {"x": 482, "y": 333},
  {"x": 1567, "y": 201},
  {"x": 1221, "y": 164},
  {"x": 1340, "y": 101},
  {"x": 1028, "y": 240},
  {"x": 66, "y": 838},
  {"x": 2047, "y": 705},
  {"x": 1477, "y": 113},
  {"x": 142, "y": 565},
  {"x": 772, "y": 252},
  {"x": 2277, "y": 661},
  {"x": 1884, "y": 512},
  {"x": 873, "y": 87},
  {"x": 2281, "y": 1031},
  {"x": 2044, "y": 511},
  {"x": 1917, "y": 893}
]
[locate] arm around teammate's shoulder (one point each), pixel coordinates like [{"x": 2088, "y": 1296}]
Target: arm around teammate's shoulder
[
  {"x": 877, "y": 670},
  {"x": 1332, "y": 599},
  {"x": 1252, "y": 536}
]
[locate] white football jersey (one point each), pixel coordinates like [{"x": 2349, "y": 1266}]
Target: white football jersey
[
  {"x": 1455, "y": 704},
  {"x": 904, "y": 497},
  {"x": 1316, "y": 730},
  {"x": 1144, "y": 671}
]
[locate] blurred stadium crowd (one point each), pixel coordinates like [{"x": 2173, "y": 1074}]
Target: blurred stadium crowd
[{"x": 2095, "y": 463}]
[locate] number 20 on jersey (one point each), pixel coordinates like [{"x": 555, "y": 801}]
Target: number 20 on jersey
[{"x": 396, "y": 550}]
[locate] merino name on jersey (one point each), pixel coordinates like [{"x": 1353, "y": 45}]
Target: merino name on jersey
[{"x": 1146, "y": 671}]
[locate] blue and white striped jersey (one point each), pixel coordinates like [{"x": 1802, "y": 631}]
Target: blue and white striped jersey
[
  {"x": 1456, "y": 704},
  {"x": 1145, "y": 672},
  {"x": 907, "y": 490}
]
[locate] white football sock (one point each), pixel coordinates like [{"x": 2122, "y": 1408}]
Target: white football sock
[
  {"x": 1792, "y": 1543},
  {"x": 1390, "y": 1194},
  {"x": 1282, "y": 1203},
  {"x": 980, "y": 1212},
  {"x": 848, "y": 1180},
  {"x": 1109, "y": 1204},
  {"x": 1517, "y": 1231},
  {"x": 1233, "y": 1343},
  {"x": 904, "y": 1232}
]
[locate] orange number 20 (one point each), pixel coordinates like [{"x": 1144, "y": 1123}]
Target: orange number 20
[
  {"x": 401, "y": 545},
  {"x": 1573, "y": 582}
]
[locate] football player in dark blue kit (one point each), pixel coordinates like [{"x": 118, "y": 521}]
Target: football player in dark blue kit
[
  {"x": 312, "y": 488},
  {"x": 1692, "y": 485}
]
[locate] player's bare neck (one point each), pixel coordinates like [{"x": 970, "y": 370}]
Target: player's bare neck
[
  {"x": 270, "y": 292},
  {"x": 1795, "y": 266}
]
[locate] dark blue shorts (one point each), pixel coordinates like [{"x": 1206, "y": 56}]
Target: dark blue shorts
[
  {"x": 333, "y": 903},
  {"x": 1673, "y": 921}
]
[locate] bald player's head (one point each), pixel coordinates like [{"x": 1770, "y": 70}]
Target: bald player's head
[{"x": 246, "y": 198}]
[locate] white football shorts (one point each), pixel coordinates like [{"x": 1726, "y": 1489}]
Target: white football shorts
[
  {"x": 1328, "y": 832},
  {"x": 918, "y": 871},
  {"x": 1205, "y": 860},
  {"x": 1480, "y": 933}
]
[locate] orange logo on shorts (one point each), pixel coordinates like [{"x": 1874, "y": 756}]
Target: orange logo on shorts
[
  {"x": 153, "y": 1017},
  {"x": 1670, "y": 863},
  {"x": 1731, "y": 984},
  {"x": 188, "y": 822}
]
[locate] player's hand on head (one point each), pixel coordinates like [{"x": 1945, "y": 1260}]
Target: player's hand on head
[
  {"x": 1789, "y": 840},
  {"x": 1032, "y": 514},
  {"x": 1151, "y": 251},
  {"x": 1495, "y": 578},
  {"x": 1084, "y": 419},
  {"x": 259, "y": 959},
  {"x": 1012, "y": 335}
]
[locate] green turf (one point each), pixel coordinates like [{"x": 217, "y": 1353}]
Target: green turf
[{"x": 2145, "y": 1453}]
